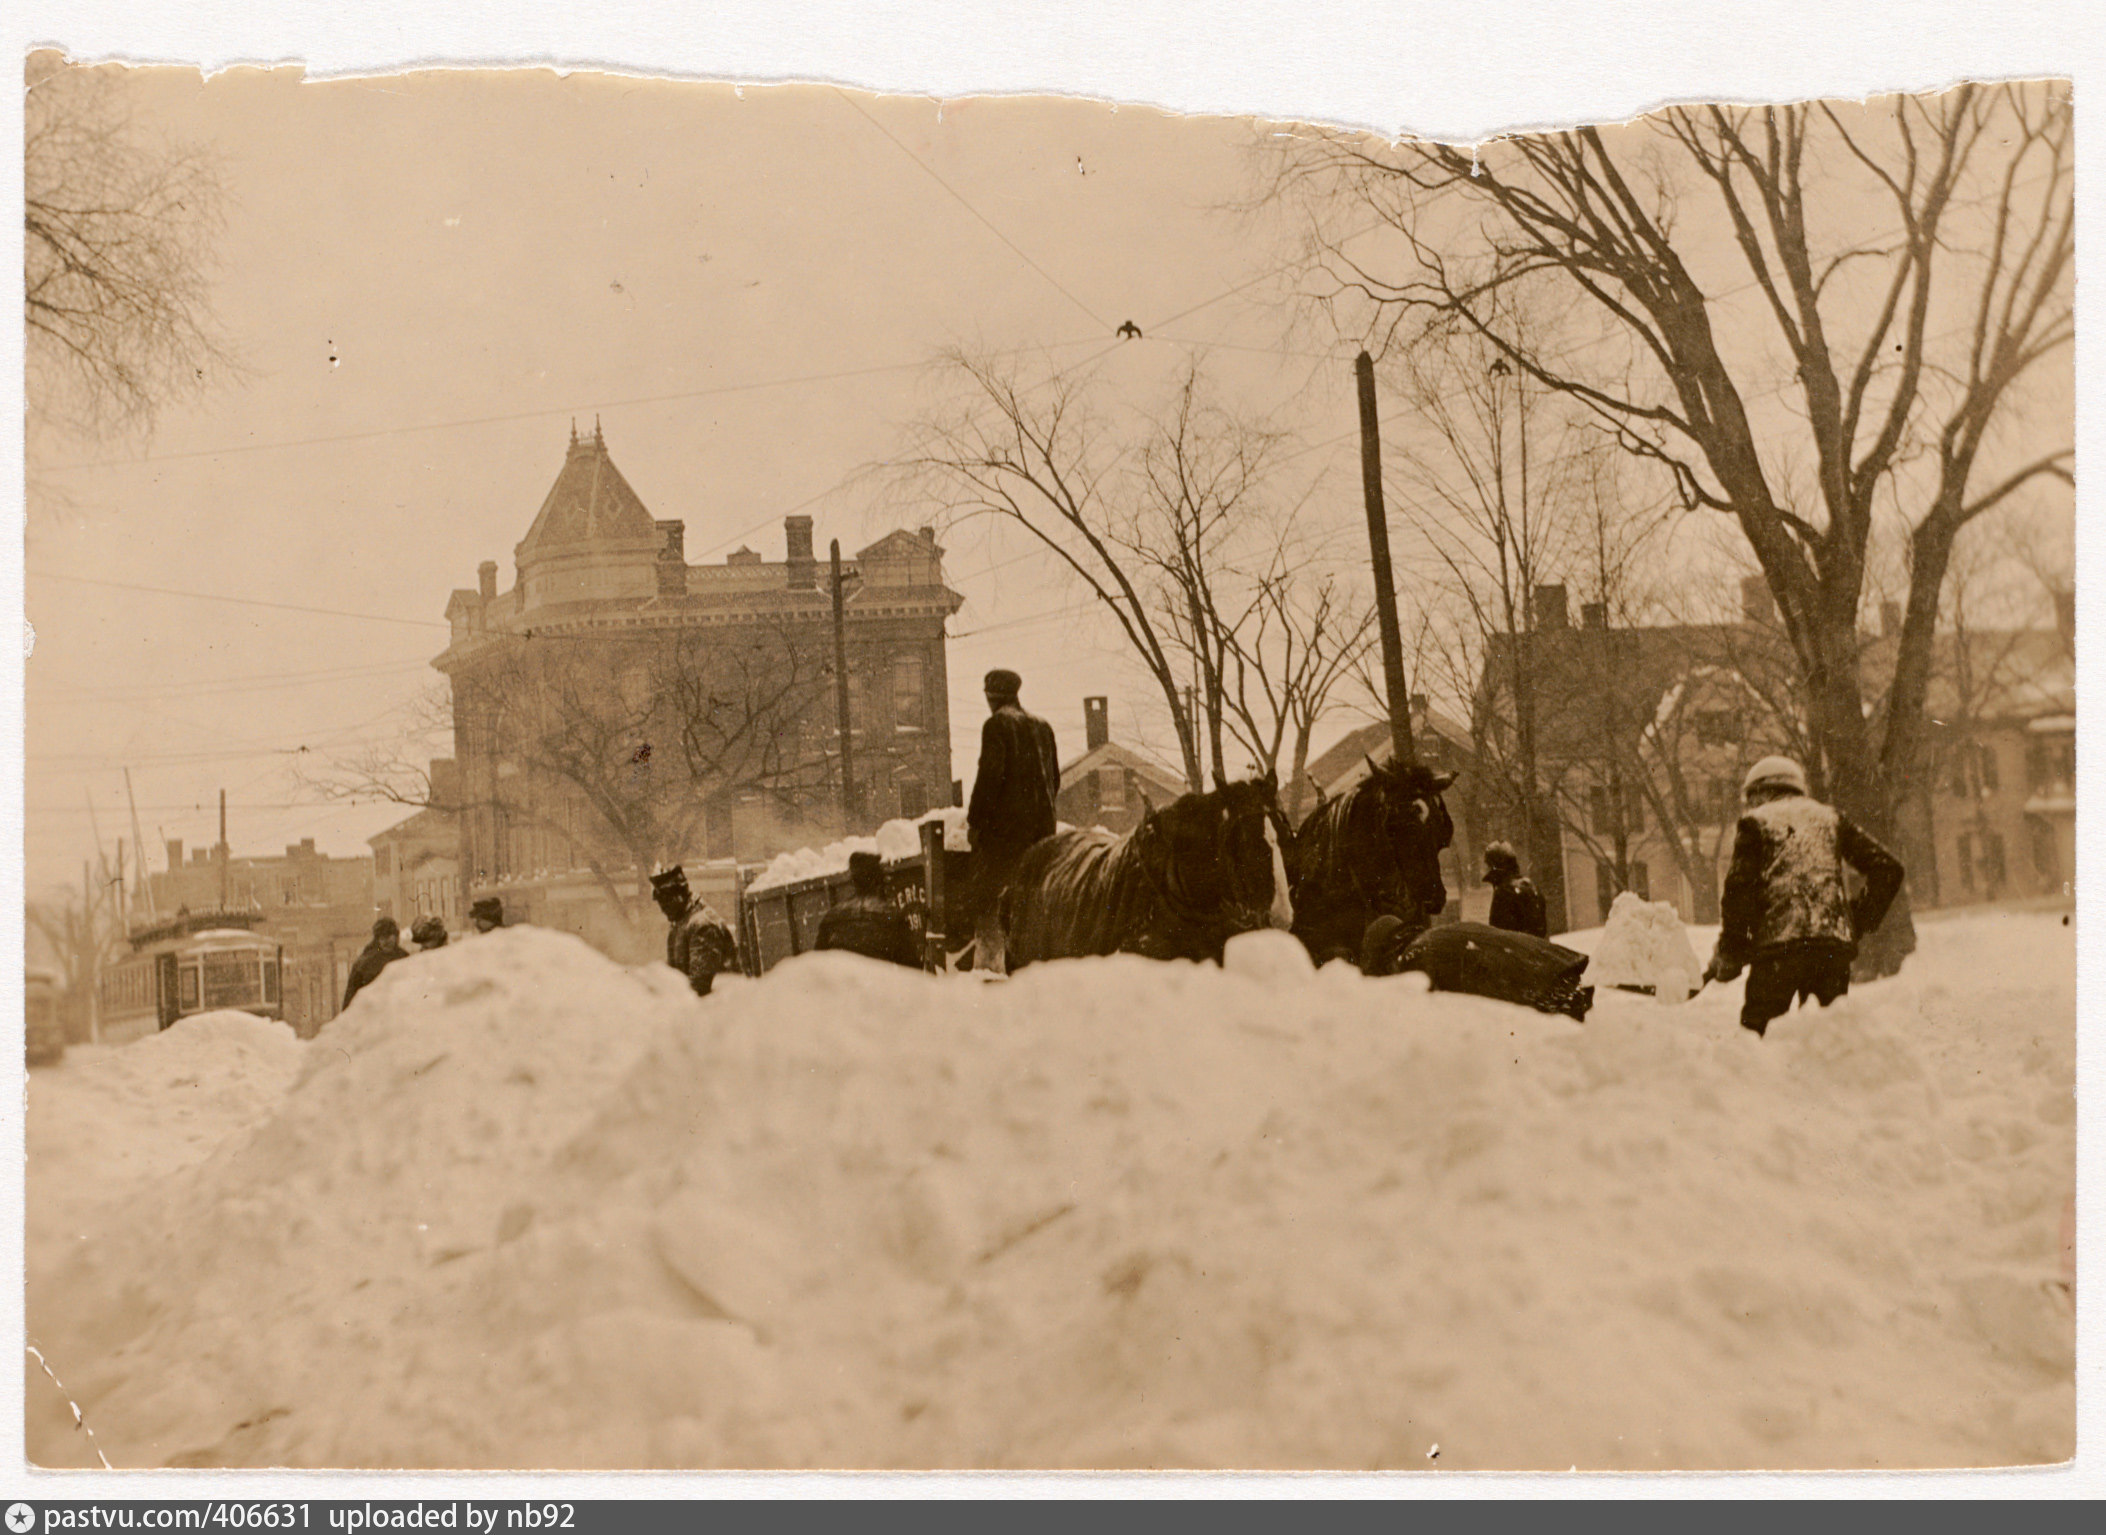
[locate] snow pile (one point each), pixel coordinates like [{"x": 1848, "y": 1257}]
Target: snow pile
[
  {"x": 109, "y": 1116},
  {"x": 1645, "y": 944},
  {"x": 894, "y": 841},
  {"x": 523, "y": 1208}
]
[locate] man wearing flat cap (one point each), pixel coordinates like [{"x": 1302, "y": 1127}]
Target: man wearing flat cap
[
  {"x": 1012, "y": 805},
  {"x": 697, "y": 944}
]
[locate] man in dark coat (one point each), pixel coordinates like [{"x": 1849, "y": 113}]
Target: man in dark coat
[
  {"x": 868, "y": 923},
  {"x": 1517, "y": 906},
  {"x": 1785, "y": 913},
  {"x": 698, "y": 944},
  {"x": 1012, "y": 804},
  {"x": 375, "y": 957}
]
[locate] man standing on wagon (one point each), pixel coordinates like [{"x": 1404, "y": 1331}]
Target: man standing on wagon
[{"x": 1012, "y": 805}]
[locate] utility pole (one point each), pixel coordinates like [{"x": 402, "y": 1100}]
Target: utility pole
[
  {"x": 848, "y": 770},
  {"x": 139, "y": 842},
  {"x": 91, "y": 933},
  {"x": 223, "y": 850},
  {"x": 1385, "y": 582}
]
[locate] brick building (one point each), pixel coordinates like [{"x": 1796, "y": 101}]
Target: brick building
[
  {"x": 1106, "y": 785},
  {"x": 618, "y": 709},
  {"x": 417, "y": 862}
]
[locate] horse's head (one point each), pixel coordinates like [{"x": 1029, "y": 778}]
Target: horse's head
[
  {"x": 1225, "y": 855},
  {"x": 1416, "y": 824}
]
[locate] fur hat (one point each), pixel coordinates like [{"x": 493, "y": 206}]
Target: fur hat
[
  {"x": 385, "y": 928},
  {"x": 489, "y": 908},
  {"x": 428, "y": 933},
  {"x": 866, "y": 870},
  {"x": 667, "y": 882},
  {"x": 1774, "y": 773},
  {"x": 1003, "y": 683},
  {"x": 1501, "y": 855}
]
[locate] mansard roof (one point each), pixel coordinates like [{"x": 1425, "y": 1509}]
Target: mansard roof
[{"x": 590, "y": 503}]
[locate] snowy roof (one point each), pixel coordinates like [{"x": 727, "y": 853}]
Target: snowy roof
[
  {"x": 1344, "y": 762},
  {"x": 1112, "y": 753}
]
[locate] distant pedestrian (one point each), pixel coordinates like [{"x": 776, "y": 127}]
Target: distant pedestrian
[
  {"x": 698, "y": 944},
  {"x": 428, "y": 933},
  {"x": 1786, "y": 914},
  {"x": 868, "y": 922},
  {"x": 1012, "y": 805},
  {"x": 1517, "y": 905},
  {"x": 487, "y": 914},
  {"x": 375, "y": 957}
]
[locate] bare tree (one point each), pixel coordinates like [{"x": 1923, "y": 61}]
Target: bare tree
[
  {"x": 1903, "y": 348},
  {"x": 1484, "y": 482},
  {"x": 1168, "y": 523},
  {"x": 614, "y": 755},
  {"x": 118, "y": 235},
  {"x": 86, "y": 936}
]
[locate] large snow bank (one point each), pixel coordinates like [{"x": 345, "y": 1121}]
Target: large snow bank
[
  {"x": 108, "y": 1117},
  {"x": 892, "y": 842},
  {"x": 524, "y": 1208},
  {"x": 1644, "y": 944}
]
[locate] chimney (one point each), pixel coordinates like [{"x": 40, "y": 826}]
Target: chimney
[
  {"x": 797, "y": 534},
  {"x": 1096, "y": 723},
  {"x": 1594, "y": 615},
  {"x": 175, "y": 852},
  {"x": 1757, "y": 606},
  {"x": 1890, "y": 619},
  {"x": 672, "y": 558},
  {"x": 486, "y": 579},
  {"x": 927, "y": 536},
  {"x": 1550, "y": 606}
]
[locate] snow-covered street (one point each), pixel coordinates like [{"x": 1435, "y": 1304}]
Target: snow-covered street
[{"x": 519, "y": 1207}]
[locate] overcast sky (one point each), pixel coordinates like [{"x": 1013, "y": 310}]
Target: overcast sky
[{"x": 428, "y": 277}]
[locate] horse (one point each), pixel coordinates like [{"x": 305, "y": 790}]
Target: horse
[
  {"x": 1371, "y": 852},
  {"x": 1178, "y": 886}
]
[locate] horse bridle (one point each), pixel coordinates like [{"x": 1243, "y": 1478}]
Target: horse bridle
[{"x": 1223, "y": 915}]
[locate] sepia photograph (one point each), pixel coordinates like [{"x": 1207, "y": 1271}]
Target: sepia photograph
[{"x": 781, "y": 777}]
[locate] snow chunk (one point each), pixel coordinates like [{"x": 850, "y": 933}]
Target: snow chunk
[
  {"x": 1645, "y": 944},
  {"x": 894, "y": 841}
]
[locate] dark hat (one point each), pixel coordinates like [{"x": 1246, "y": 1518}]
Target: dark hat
[
  {"x": 1501, "y": 853},
  {"x": 865, "y": 869},
  {"x": 428, "y": 932},
  {"x": 1379, "y": 945},
  {"x": 669, "y": 881},
  {"x": 489, "y": 906},
  {"x": 1003, "y": 683},
  {"x": 385, "y": 928}
]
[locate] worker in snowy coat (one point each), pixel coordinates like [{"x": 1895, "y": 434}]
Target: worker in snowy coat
[
  {"x": 1517, "y": 906},
  {"x": 868, "y": 923},
  {"x": 1012, "y": 804},
  {"x": 698, "y": 944},
  {"x": 375, "y": 957},
  {"x": 1786, "y": 913}
]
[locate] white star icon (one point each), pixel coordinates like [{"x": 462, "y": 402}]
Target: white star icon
[{"x": 21, "y": 1518}]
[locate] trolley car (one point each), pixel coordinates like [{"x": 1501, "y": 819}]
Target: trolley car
[{"x": 200, "y": 962}]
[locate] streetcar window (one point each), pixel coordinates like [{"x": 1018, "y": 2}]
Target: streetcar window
[
  {"x": 189, "y": 989},
  {"x": 270, "y": 982}
]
